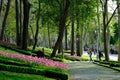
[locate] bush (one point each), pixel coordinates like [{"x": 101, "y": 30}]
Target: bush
[
  {"x": 12, "y": 62},
  {"x": 110, "y": 63},
  {"x": 48, "y": 73}
]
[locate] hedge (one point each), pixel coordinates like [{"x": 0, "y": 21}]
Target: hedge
[
  {"x": 30, "y": 70},
  {"x": 16, "y": 49},
  {"x": 12, "y": 62}
]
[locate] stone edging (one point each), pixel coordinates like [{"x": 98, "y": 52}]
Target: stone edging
[{"x": 106, "y": 66}]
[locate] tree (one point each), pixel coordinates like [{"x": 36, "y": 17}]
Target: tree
[
  {"x": 21, "y": 24},
  {"x": 62, "y": 22},
  {"x": 18, "y": 38},
  {"x": 66, "y": 42},
  {"x": 1, "y": 2},
  {"x": 26, "y": 8},
  {"x": 5, "y": 18},
  {"x": 106, "y": 22},
  {"x": 37, "y": 25},
  {"x": 72, "y": 37},
  {"x": 118, "y": 2}
]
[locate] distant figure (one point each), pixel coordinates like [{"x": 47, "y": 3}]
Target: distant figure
[
  {"x": 90, "y": 54},
  {"x": 40, "y": 53},
  {"x": 100, "y": 55},
  {"x": 112, "y": 51}
]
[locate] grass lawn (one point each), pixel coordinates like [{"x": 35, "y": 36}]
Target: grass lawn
[
  {"x": 4, "y": 75},
  {"x": 7, "y": 50}
]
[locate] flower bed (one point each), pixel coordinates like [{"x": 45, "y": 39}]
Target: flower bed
[
  {"x": 36, "y": 60},
  {"x": 8, "y": 43}
]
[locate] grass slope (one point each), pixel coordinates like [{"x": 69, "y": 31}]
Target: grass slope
[{"x": 4, "y": 75}]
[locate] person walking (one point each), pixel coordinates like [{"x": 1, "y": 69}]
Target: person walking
[{"x": 90, "y": 54}]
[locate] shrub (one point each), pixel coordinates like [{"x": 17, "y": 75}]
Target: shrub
[
  {"x": 17, "y": 49},
  {"x": 49, "y": 72}
]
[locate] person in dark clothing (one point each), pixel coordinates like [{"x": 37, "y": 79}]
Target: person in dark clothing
[
  {"x": 100, "y": 55},
  {"x": 90, "y": 54}
]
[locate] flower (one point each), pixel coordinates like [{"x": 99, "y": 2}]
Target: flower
[{"x": 36, "y": 60}]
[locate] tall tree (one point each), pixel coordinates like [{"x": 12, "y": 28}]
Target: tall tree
[
  {"x": 105, "y": 19},
  {"x": 99, "y": 28},
  {"x": 78, "y": 39},
  {"x": 26, "y": 9},
  {"x": 72, "y": 36},
  {"x": 17, "y": 24},
  {"x": 37, "y": 26},
  {"x": 5, "y": 18},
  {"x": 118, "y": 2},
  {"x": 1, "y": 2},
  {"x": 66, "y": 32},
  {"x": 21, "y": 24},
  {"x": 62, "y": 22},
  {"x": 106, "y": 22}
]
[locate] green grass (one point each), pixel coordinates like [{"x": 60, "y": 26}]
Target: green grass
[
  {"x": 19, "y": 66},
  {"x": 4, "y": 75},
  {"x": 110, "y": 64},
  {"x": 7, "y": 50}
]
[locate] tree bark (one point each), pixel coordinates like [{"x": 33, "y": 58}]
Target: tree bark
[
  {"x": 49, "y": 37},
  {"x": 105, "y": 29},
  {"x": 78, "y": 39},
  {"x": 61, "y": 27},
  {"x": 26, "y": 8},
  {"x": 66, "y": 31},
  {"x": 17, "y": 23},
  {"x": 37, "y": 26},
  {"x": 4, "y": 21},
  {"x": 1, "y": 2},
  {"x": 72, "y": 38},
  {"x": 118, "y": 2},
  {"x": 99, "y": 36},
  {"x": 81, "y": 41},
  {"x": 21, "y": 24},
  {"x": 78, "y": 44}
]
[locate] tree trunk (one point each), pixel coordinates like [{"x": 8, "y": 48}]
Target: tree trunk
[
  {"x": 78, "y": 36},
  {"x": 99, "y": 37},
  {"x": 48, "y": 26},
  {"x": 81, "y": 41},
  {"x": 32, "y": 32},
  {"x": 66, "y": 38},
  {"x": 21, "y": 24},
  {"x": 49, "y": 38},
  {"x": 4, "y": 21},
  {"x": 78, "y": 44},
  {"x": 37, "y": 26},
  {"x": 118, "y": 31},
  {"x": 72, "y": 38},
  {"x": 105, "y": 29},
  {"x": 26, "y": 8},
  {"x": 17, "y": 24},
  {"x": 1, "y": 2},
  {"x": 61, "y": 27}
]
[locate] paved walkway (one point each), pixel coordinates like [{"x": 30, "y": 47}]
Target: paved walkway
[{"x": 90, "y": 71}]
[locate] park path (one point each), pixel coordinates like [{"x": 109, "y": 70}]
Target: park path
[{"x": 90, "y": 71}]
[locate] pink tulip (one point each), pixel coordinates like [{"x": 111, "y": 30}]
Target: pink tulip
[{"x": 36, "y": 60}]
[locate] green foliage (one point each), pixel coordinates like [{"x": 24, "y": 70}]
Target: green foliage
[{"x": 114, "y": 38}]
